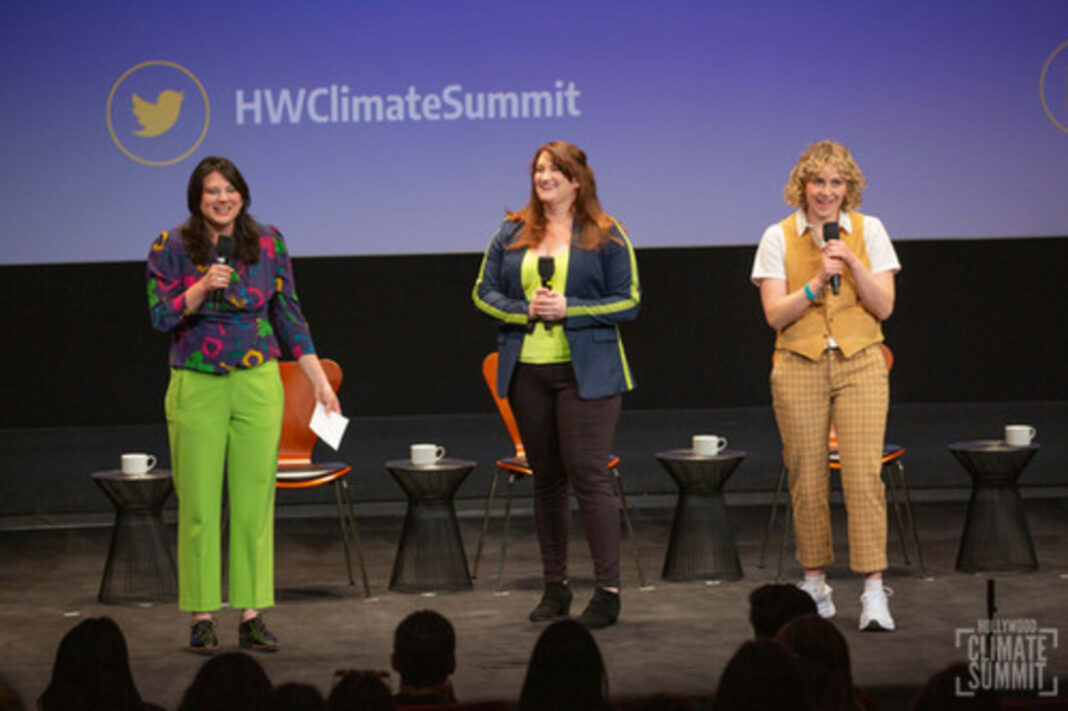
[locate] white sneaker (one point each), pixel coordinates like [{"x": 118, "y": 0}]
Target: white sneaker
[
  {"x": 821, "y": 596},
  {"x": 875, "y": 611}
]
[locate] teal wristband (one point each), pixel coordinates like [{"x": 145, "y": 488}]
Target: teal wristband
[{"x": 808, "y": 293}]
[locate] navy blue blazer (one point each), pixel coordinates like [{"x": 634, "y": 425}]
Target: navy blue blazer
[{"x": 602, "y": 291}]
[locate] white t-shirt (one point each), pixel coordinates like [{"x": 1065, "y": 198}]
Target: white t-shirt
[{"x": 770, "y": 261}]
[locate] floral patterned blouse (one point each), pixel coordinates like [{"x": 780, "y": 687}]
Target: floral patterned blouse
[{"x": 241, "y": 329}]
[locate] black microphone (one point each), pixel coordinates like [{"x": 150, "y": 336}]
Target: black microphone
[
  {"x": 546, "y": 269},
  {"x": 224, "y": 250},
  {"x": 830, "y": 231}
]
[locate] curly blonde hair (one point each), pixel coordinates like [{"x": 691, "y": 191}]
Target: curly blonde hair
[{"x": 812, "y": 161}]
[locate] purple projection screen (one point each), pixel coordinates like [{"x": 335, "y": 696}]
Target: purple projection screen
[{"x": 407, "y": 126}]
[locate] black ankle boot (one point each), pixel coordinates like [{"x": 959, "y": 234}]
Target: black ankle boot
[
  {"x": 555, "y": 602},
  {"x": 602, "y": 611}
]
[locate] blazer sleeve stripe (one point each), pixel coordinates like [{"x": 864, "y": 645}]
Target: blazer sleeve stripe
[
  {"x": 485, "y": 306},
  {"x": 634, "y": 289}
]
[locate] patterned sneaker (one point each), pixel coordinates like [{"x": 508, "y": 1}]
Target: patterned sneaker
[
  {"x": 253, "y": 634},
  {"x": 875, "y": 611},
  {"x": 822, "y": 597},
  {"x": 202, "y": 638}
]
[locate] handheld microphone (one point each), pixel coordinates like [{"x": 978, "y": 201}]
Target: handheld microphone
[
  {"x": 546, "y": 269},
  {"x": 224, "y": 250},
  {"x": 830, "y": 232}
]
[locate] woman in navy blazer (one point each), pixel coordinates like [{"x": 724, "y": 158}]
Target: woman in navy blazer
[{"x": 559, "y": 276}]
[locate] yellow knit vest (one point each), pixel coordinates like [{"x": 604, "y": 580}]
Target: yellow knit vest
[{"x": 842, "y": 316}]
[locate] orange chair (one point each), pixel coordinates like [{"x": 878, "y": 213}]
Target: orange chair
[
  {"x": 296, "y": 470},
  {"x": 517, "y": 466},
  {"x": 896, "y": 485}
]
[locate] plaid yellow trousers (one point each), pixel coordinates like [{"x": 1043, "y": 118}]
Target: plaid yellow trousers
[{"x": 854, "y": 394}]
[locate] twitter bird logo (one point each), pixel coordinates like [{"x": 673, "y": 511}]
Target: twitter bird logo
[{"x": 157, "y": 118}]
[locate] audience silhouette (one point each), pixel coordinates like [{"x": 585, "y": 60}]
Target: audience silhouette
[
  {"x": 797, "y": 661},
  {"x": 233, "y": 681},
  {"x": 356, "y": 690},
  {"x": 761, "y": 676},
  {"x": 92, "y": 671},
  {"x": 566, "y": 671},
  {"x": 424, "y": 654},
  {"x": 823, "y": 660},
  {"x": 772, "y": 606},
  {"x": 9, "y": 698},
  {"x": 942, "y": 692},
  {"x": 294, "y": 696}
]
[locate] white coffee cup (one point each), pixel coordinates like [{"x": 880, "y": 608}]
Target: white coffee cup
[
  {"x": 137, "y": 463},
  {"x": 424, "y": 455},
  {"x": 1019, "y": 435},
  {"x": 708, "y": 445}
]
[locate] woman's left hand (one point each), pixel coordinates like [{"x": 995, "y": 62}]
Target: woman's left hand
[
  {"x": 549, "y": 305},
  {"x": 838, "y": 249},
  {"x": 326, "y": 395}
]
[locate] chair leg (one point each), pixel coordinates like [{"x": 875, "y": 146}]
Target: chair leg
[
  {"x": 485, "y": 522},
  {"x": 630, "y": 526},
  {"x": 772, "y": 516},
  {"x": 343, "y": 525},
  {"x": 899, "y": 524},
  {"x": 911, "y": 517},
  {"x": 342, "y": 491},
  {"x": 356, "y": 537},
  {"x": 504, "y": 539},
  {"x": 785, "y": 534}
]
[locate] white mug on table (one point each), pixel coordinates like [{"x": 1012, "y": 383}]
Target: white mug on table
[
  {"x": 1019, "y": 435},
  {"x": 137, "y": 463},
  {"x": 424, "y": 455},
  {"x": 708, "y": 445}
]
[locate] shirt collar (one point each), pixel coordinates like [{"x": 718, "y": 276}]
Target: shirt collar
[{"x": 802, "y": 224}]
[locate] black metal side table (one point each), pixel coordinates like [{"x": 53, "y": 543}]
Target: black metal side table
[
  {"x": 996, "y": 537},
  {"x": 701, "y": 546},
  {"x": 430, "y": 555},
  {"x": 140, "y": 565}
]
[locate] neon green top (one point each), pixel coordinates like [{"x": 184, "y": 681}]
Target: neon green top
[{"x": 544, "y": 345}]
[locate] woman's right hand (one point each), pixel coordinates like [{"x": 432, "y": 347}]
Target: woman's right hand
[
  {"x": 833, "y": 265},
  {"x": 217, "y": 277}
]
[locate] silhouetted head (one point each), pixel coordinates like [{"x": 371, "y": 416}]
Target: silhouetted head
[
  {"x": 761, "y": 676},
  {"x": 360, "y": 690},
  {"x": 943, "y": 692},
  {"x": 293, "y": 696},
  {"x": 233, "y": 681},
  {"x": 772, "y": 606},
  {"x": 566, "y": 671},
  {"x": 424, "y": 649},
  {"x": 91, "y": 670},
  {"x": 823, "y": 660},
  {"x": 9, "y": 698}
]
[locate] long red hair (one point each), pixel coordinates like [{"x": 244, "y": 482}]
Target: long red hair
[{"x": 593, "y": 224}]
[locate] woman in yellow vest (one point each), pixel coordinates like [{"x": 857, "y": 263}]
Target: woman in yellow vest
[{"x": 826, "y": 298}]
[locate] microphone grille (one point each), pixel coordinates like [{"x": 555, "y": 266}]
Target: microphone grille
[{"x": 225, "y": 246}]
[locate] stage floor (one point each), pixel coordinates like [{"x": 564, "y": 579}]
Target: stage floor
[{"x": 672, "y": 637}]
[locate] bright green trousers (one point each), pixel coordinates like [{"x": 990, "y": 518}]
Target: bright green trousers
[{"x": 225, "y": 424}]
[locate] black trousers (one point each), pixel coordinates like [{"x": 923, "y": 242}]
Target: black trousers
[{"x": 568, "y": 441}]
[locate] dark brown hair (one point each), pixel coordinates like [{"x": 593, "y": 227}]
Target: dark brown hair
[
  {"x": 195, "y": 232},
  {"x": 593, "y": 223}
]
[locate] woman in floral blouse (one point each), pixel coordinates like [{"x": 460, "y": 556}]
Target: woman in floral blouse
[{"x": 222, "y": 285}]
